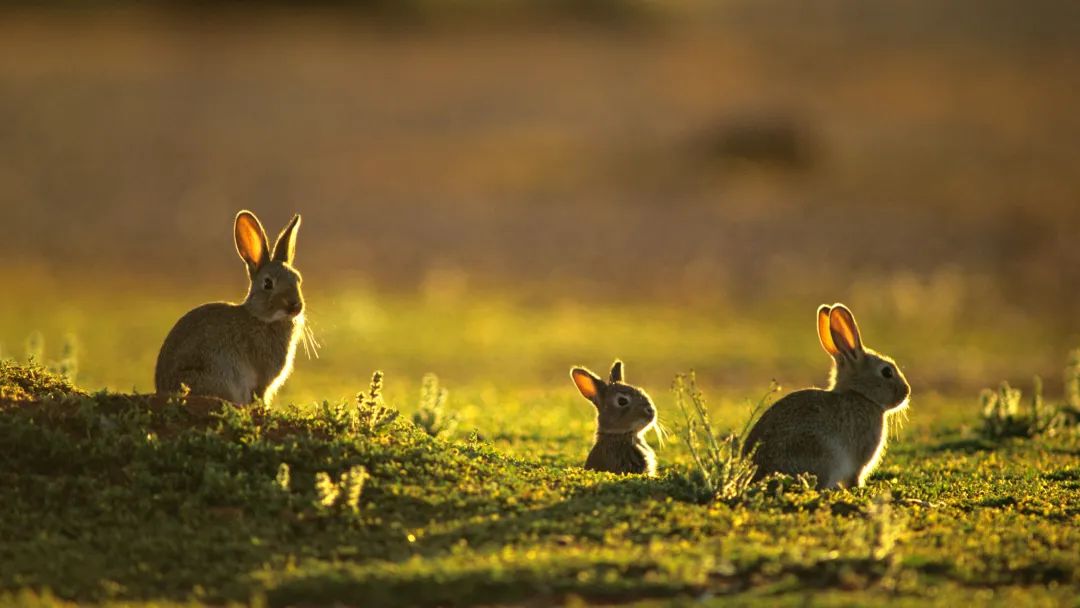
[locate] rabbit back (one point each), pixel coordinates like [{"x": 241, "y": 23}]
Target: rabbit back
[
  {"x": 838, "y": 437},
  {"x": 222, "y": 350}
]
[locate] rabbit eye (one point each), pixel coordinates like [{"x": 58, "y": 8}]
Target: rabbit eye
[
  {"x": 268, "y": 283},
  {"x": 887, "y": 371},
  {"x": 622, "y": 401}
]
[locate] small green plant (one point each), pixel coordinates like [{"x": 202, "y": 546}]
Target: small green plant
[
  {"x": 722, "y": 470},
  {"x": 433, "y": 416},
  {"x": 884, "y": 527},
  {"x": 326, "y": 490},
  {"x": 1004, "y": 416},
  {"x": 1000, "y": 410},
  {"x": 350, "y": 486},
  {"x": 283, "y": 476},
  {"x": 371, "y": 413},
  {"x": 354, "y": 486}
]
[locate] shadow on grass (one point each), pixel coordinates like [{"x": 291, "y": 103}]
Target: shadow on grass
[
  {"x": 540, "y": 583},
  {"x": 543, "y": 554}
]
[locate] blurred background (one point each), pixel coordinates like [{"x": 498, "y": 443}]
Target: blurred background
[{"x": 494, "y": 191}]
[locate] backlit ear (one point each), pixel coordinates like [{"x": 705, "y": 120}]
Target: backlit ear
[
  {"x": 823, "y": 333},
  {"x": 250, "y": 240},
  {"x": 285, "y": 247},
  {"x": 587, "y": 382},
  {"x": 845, "y": 333},
  {"x": 616, "y": 371}
]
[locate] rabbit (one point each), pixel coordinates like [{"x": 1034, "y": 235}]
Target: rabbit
[
  {"x": 241, "y": 352},
  {"x": 623, "y": 414},
  {"x": 838, "y": 434}
]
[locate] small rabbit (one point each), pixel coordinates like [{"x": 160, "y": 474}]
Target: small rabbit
[
  {"x": 623, "y": 414},
  {"x": 241, "y": 352},
  {"x": 837, "y": 434}
]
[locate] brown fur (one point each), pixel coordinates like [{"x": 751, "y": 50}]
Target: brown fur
[
  {"x": 621, "y": 453},
  {"x": 241, "y": 352},
  {"x": 623, "y": 414},
  {"x": 838, "y": 434},
  {"x": 251, "y": 357}
]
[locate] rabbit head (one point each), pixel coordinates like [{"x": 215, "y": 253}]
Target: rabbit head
[
  {"x": 620, "y": 408},
  {"x": 274, "y": 294},
  {"x": 856, "y": 368}
]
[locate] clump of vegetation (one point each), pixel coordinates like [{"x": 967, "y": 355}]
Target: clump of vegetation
[
  {"x": 32, "y": 381},
  {"x": 344, "y": 493},
  {"x": 432, "y": 415},
  {"x": 367, "y": 414},
  {"x": 371, "y": 413},
  {"x": 885, "y": 526},
  {"x": 284, "y": 476},
  {"x": 1002, "y": 415},
  {"x": 721, "y": 470},
  {"x": 1006, "y": 414}
]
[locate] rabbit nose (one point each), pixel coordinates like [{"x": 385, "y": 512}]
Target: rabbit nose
[
  {"x": 293, "y": 307},
  {"x": 649, "y": 410}
]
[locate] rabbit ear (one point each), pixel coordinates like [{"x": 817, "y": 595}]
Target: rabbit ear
[
  {"x": 285, "y": 247},
  {"x": 845, "y": 333},
  {"x": 250, "y": 240},
  {"x": 823, "y": 333},
  {"x": 616, "y": 371},
  {"x": 587, "y": 382}
]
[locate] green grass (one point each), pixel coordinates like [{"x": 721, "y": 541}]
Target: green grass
[
  {"x": 117, "y": 498},
  {"x": 483, "y": 342}
]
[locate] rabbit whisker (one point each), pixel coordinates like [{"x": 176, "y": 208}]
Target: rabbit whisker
[
  {"x": 311, "y": 344},
  {"x": 661, "y": 431},
  {"x": 897, "y": 419}
]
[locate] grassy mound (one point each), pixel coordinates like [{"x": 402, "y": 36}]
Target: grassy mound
[
  {"x": 32, "y": 382},
  {"x": 112, "y": 497}
]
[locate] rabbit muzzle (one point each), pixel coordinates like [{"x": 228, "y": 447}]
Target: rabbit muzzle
[
  {"x": 648, "y": 414},
  {"x": 293, "y": 307}
]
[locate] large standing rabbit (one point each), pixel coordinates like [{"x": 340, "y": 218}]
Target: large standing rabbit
[
  {"x": 623, "y": 414},
  {"x": 241, "y": 352},
  {"x": 837, "y": 434}
]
